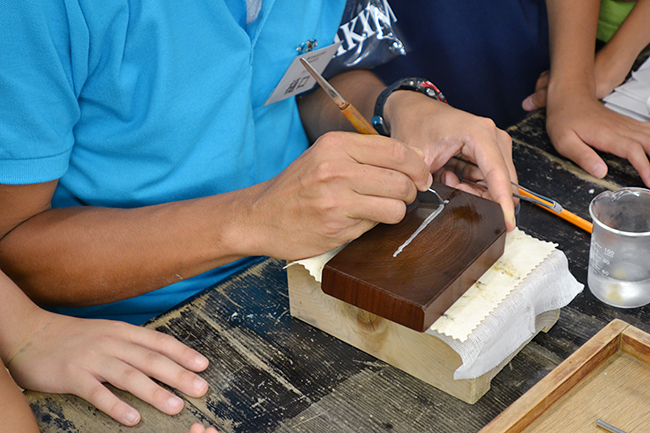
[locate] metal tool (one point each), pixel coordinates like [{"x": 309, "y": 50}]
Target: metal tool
[
  {"x": 440, "y": 200},
  {"x": 532, "y": 197},
  {"x": 546, "y": 203},
  {"x": 609, "y": 427}
]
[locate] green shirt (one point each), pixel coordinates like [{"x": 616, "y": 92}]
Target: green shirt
[{"x": 612, "y": 15}]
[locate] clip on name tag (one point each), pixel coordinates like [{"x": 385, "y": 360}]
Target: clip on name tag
[{"x": 297, "y": 80}]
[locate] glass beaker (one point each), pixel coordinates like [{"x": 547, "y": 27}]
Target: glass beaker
[{"x": 619, "y": 257}]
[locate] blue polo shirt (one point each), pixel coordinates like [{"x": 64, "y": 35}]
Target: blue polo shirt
[{"x": 132, "y": 103}]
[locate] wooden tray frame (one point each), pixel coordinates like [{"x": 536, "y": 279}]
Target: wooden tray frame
[{"x": 617, "y": 336}]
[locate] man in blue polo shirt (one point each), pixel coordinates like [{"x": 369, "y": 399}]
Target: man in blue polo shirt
[{"x": 140, "y": 165}]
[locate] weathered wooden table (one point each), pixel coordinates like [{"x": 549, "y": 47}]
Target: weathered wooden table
[{"x": 272, "y": 373}]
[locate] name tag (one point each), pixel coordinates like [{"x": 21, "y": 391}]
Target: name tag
[{"x": 297, "y": 80}]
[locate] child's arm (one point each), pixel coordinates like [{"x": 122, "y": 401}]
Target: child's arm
[
  {"x": 576, "y": 121},
  {"x": 616, "y": 58},
  {"x": 614, "y": 61},
  {"x": 15, "y": 414}
]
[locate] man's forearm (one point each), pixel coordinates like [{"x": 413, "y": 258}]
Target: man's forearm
[{"x": 88, "y": 255}]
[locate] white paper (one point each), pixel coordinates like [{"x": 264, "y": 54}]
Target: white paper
[
  {"x": 632, "y": 98},
  {"x": 522, "y": 254}
]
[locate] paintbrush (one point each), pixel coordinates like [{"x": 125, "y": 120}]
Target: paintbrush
[{"x": 352, "y": 114}]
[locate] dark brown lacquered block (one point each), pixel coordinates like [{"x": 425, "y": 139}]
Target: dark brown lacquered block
[{"x": 418, "y": 285}]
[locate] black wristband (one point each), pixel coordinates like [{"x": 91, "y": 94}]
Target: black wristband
[{"x": 419, "y": 85}]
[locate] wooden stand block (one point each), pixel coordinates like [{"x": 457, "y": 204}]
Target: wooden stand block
[
  {"x": 419, "y": 354},
  {"x": 418, "y": 285}
]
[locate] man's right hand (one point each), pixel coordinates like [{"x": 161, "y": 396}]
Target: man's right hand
[{"x": 338, "y": 189}]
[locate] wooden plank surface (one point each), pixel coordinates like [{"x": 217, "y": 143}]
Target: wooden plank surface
[{"x": 271, "y": 373}]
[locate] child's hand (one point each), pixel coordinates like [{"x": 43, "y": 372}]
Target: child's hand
[
  {"x": 537, "y": 99},
  {"x": 61, "y": 354},
  {"x": 610, "y": 70}
]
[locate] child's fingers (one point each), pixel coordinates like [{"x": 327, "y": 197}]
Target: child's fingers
[
  {"x": 95, "y": 393},
  {"x": 197, "y": 428},
  {"x": 159, "y": 366},
  {"x": 170, "y": 347},
  {"x": 131, "y": 379}
]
